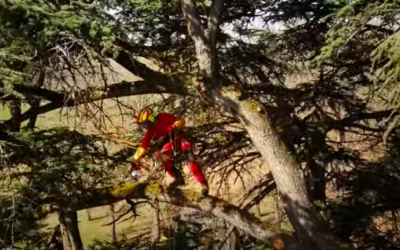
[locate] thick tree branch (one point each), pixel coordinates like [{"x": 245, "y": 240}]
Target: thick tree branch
[
  {"x": 350, "y": 120},
  {"x": 32, "y": 90},
  {"x": 212, "y": 205},
  {"x": 205, "y": 51},
  {"x": 154, "y": 83},
  {"x": 148, "y": 86},
  {"x": 195, "y": 26},
  {"x": 214, "y": 20}
]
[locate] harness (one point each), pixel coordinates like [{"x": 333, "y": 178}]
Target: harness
[
  {"x": 159, "y": 143},
  {"x": 170, "y": 138}
]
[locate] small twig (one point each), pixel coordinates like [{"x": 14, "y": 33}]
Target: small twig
[
  {"x": 390, "y": 128},
  {"x": 131, "y": 209}
]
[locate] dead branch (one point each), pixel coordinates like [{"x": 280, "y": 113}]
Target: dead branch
[{"x": 132, "y": 209}]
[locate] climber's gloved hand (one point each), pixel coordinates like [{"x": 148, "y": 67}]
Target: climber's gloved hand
[{"x": 178, "y": 125}]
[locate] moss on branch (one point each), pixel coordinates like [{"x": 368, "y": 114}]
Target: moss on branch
[{"x": 186, "y": 198}]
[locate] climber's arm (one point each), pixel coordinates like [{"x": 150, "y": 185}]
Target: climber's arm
[
  {"x": 178, "y": 124},
  {"x": 143, "y": 147}
]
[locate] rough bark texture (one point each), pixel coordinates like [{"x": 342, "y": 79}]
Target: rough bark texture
[
  {"x": 64, "y": 233},
  {"x": 70, "y": 228},
  {"x": 287, "y": 175},
  {"x": 212, "y": 205},
  {"x": 306, "y": 221}
]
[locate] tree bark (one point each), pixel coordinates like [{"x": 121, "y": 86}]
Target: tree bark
[
  {"x": 55, "y": 240},
  {"x": 67, "y": 245},
  {"x": 33, "y": 118},
  {"x": 71, "y": 235},
  {"x": 308, "y": 224},
  {"x": 113, "y": 224},
  {"x": 231, "y": 242},
  {"x": 34, "y": 102},
  {"x": 315, "y": 177},
  {"x": 15, "y": 110},
  {"x": 88, "y": 214},
  {"x": 155, "y": 230}
]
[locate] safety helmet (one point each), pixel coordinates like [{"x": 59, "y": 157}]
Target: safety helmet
[{"x": 144, "y": 115}]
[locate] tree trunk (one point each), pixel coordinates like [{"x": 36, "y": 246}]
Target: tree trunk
[
  {"x": 315, "y": 177},
  {"x": 308, "y": 224},
  {"x": 15, "y": 110},
  {"x": 64, "y": 233},
  {"x": 34, "y": 103},
  {"x": 55, "y": 241},
  {"x": 113, "y": 225},
  {"x": 285, "y": 170},
  {"x": 89, "y": 216},
  {"x": 70, "y": 230},
  {"x": 155, "y": 231},
  {"x": 278, "y": 211}
]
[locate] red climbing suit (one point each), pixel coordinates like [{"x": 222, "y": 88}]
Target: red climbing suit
[{"x": 161, "y": 128}]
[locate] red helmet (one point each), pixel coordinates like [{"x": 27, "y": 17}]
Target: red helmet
[{"x": 145, "y": 114}]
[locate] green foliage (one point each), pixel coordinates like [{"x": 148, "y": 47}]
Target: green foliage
[
  {"x": 368, "y": 27},
  {"x": 151, "y": 21},
  {"x": 64, "y": 163},
  {"x": 19, "y": 217},
  {"x": 44, "y": 24},
  {"x": 53, "y": 167},
  {"x": 333, "y": 38},
  {"x": 386, "y": 57},
  {"x": 50, "y": 35}
]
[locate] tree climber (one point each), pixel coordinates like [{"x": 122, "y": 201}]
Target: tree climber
[{"x": 168, "y": 129}]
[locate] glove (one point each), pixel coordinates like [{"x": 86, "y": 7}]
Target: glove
[
  {"x": 138, "y": 154},
  {"x": 179, "y": 124}
]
